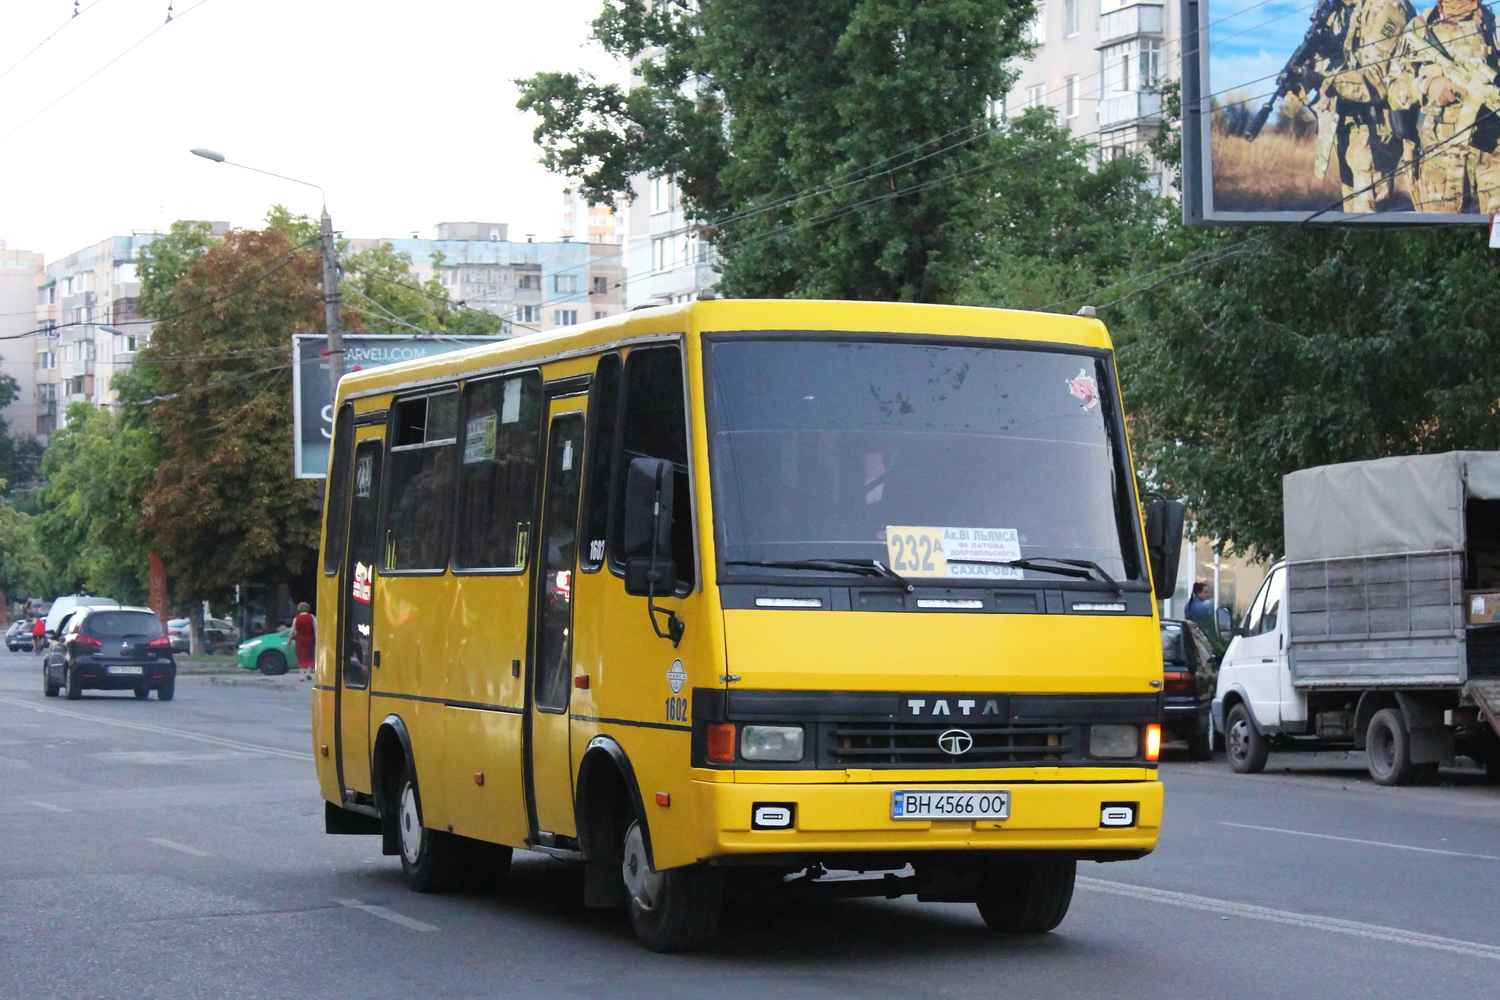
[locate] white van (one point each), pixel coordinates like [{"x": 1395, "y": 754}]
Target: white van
[{"x": 62, "y": 605}]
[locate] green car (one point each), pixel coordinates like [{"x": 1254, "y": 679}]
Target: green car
[{"x": 271, "y": 653}]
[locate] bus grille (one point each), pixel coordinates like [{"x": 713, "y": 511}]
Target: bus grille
[{"x": 915, "y": 744}]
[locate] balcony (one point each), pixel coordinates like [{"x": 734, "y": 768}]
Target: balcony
[
  {"x": 1128, "y": 22},
  {"x": 1116, "y": 107}
]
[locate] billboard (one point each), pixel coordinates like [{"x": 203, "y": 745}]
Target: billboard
[
  {"x": 312, "y": 394},
  {"x": 1351, "y": 111}
]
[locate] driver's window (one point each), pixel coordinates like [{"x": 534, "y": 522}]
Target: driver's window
[{"x": 1267, "y": 607}]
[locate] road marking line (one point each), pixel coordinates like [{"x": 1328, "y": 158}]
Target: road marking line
[
  {"x": 385, "y": 914},
  {"x": 147, "y": 727},
  {"x": 48, "y": 805},
  {"x": 1356, "y": 840},
  {"x": 1376, "y": 932},
  {"x": 185, "y": 849}
]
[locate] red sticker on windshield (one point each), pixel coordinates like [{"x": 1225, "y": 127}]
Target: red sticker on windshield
[{"x": 1085, "y": 388}]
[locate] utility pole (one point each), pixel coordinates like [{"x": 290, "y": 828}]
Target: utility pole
[{"x": 332, "y": 317}]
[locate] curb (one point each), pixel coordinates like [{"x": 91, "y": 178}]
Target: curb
[{"x": 263, "y": 683}]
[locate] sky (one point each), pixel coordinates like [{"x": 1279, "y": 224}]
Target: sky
[
  {"x": 1249, "y": 41},
  {"x": 404, "y": 113}
]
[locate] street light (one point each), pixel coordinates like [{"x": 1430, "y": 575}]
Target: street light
[{"x": 331, "y": 316}]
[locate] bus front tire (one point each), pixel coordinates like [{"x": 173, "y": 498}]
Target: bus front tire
[
  {"x": 429, "y": 858},
  {"x": 672, "y": 910},
  {"x": 1029, "y": 897}
]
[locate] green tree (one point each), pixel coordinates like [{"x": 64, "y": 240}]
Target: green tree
[
  {"x": 843, "y": 149},
  {"x": 1270, "y": 350},
  {"x": 22, "y": 565},
  {"x": 97, "y": 473},
  {"x": 224, "y": 507},
  {"x": 381, "y": 295},
  {"x": 20, "y": 459}
]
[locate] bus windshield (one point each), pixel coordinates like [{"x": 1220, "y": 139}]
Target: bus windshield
[{"x": 933, "y": 460}]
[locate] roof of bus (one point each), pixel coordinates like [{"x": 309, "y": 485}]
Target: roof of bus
[{"x": 742, "y": 314}]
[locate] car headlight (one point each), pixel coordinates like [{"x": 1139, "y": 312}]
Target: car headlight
[
  {"x": 1114, "y": 740},
  {"x": 771, "y": 743}
]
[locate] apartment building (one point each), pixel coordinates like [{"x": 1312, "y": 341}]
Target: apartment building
[
  {"x": 531, "y": 286},
  {"x": 88, "y": 328},
  {"x": 586, "y": 223},
  {"x": 1101, "y": 64},
  {"x": 665, "y": 259},
  {"x": 20, "y": 273}
]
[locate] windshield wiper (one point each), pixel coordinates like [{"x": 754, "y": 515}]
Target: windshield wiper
[
  {"x": 864, "y": 567},
  {"x": 1086, "y": 569}
]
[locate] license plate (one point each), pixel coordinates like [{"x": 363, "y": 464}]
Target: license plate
[
  {"x": 125, "y": 670},
  {"x": 990, "y": 803}
]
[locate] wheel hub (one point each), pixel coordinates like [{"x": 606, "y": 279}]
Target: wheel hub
[
  {"x": 410, "y": 823},
  {"x": 643, "y": 884},
  {"x": 1237, "y": 739}
]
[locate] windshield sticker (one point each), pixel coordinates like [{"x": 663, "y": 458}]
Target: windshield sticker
[
  {"x": 957, "y": 553},
  {"x": 479, "y": 439},
  {"x": 364, "y": 580},
  {"x": 1085, "y": 388}
]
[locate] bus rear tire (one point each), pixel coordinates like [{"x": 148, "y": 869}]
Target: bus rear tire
[
  {"x": 430, "y": 859},
  {"x": 672, "y": 910},
  {"x": 1027, "y": 897}
]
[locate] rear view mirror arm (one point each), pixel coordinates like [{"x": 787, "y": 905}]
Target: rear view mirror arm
[{"x": 675, "y": 626}]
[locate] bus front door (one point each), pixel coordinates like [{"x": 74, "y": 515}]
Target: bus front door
[
  {"x": 357, "y": 620},
  {"x": 549, "y": 771}
]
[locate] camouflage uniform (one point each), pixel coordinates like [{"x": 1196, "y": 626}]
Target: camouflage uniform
[
  {"x": 1446, "y": 67},
  {"x": 1369, "y": 151}
]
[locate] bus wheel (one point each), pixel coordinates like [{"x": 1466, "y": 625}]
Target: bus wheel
[
  {"x": 428, "y": 857},
  {"x": 1029, "y": 897},
  {"x": 673, "y": 910}
]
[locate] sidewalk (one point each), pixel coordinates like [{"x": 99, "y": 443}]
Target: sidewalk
[{"x": 222, "y": 671}]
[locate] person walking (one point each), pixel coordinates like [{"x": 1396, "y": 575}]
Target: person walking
[
  {"x": 304, "y": 631},
  {"x": 38, "y": 635}
]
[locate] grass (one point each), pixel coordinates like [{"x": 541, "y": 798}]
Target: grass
[{"x": 1275, "y": 174}]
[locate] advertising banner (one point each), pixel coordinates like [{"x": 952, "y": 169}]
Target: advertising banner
[
  {"x": 312, "y": 395},
  {"x": 1373, "y": 111}
]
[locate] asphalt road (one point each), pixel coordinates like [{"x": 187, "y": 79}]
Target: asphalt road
[{"x": 176, "y": 850}]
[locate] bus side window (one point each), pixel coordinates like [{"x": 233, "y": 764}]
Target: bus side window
[
  {"x": 654, "y": 425},
  {"x": 604, "y": 414},
  {"x": 497, "y": 471},
  {"x": 424, "y": 437},
  {"x": 337, "y": 526}
]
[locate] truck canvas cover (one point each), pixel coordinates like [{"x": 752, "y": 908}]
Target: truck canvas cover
[{"x": 1411, "y": 503}]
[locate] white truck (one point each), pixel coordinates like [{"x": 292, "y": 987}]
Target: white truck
[{"x": 1380, "y": 630}]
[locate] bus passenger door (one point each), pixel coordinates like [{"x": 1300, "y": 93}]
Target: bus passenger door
[
  {"x": 357, "y": 619},
  {"x": 549, "y": 769}
]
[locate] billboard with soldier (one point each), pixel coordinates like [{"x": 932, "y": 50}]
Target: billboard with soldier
[{"x": 1340, "y": 111}]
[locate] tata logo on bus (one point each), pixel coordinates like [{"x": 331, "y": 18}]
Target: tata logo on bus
[{"x": 953, "y": 707}]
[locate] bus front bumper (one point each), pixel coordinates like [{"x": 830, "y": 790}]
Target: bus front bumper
[{"x": 1100, "y": 820}]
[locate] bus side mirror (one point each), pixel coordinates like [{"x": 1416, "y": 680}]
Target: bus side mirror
[
  {"x": 647, "y": 541},
  {"x": 1164, "y": 544}
]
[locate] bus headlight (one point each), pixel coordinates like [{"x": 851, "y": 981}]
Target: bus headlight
[
  {"x": 771, "y": 743},
  {"x": 1114, "y": 741}
]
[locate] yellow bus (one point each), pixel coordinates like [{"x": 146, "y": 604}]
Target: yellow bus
[{"x": 756, "y": 593}]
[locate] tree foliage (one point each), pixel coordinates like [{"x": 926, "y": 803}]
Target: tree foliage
[
  {"x": 98, "y": 470},
  {"x": 381, "y": 296},
  {"x": 1272, "y": 350},
  {"x": 224, "y": 506},
  {"x": 843, "y": 149}
]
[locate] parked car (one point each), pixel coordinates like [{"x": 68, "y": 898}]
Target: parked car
[
  {"x": 219, "y": 635},
  {"x": 111, "y": 648},
  {"x": 271, "y": 654},
  {"x": 18, "y": 636},
  {"x": 1190, "y": 671}
]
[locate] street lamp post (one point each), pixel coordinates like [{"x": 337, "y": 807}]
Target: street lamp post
[{"x": 331, "y": 300}]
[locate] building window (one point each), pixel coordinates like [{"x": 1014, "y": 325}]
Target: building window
[
  {"x": 529, "y": 283},
  {"x": 565, "y": 284},
  {"x": 564, "y": 317},
  {"x": 1070, "y": 97},
  {"x": 1070, "y": 18},
  {"x": 600, "y": 314},
  {"x": 1035, "y": 31},
  {"x": 1035, "y": 96},
  {"x": 528, "y": 314},
  {"x": 601, "y": 286}
]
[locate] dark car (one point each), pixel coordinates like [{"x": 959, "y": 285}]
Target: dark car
[
  {"x": 1190, "y": 671},
  {"x": 18, "y": 636},
  {"x": 115, "y": 649}
]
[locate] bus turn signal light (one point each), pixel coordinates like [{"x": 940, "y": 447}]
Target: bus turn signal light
[
  {"x": 721, "y": 742},
  {"x": 1153, "y": 741}
]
